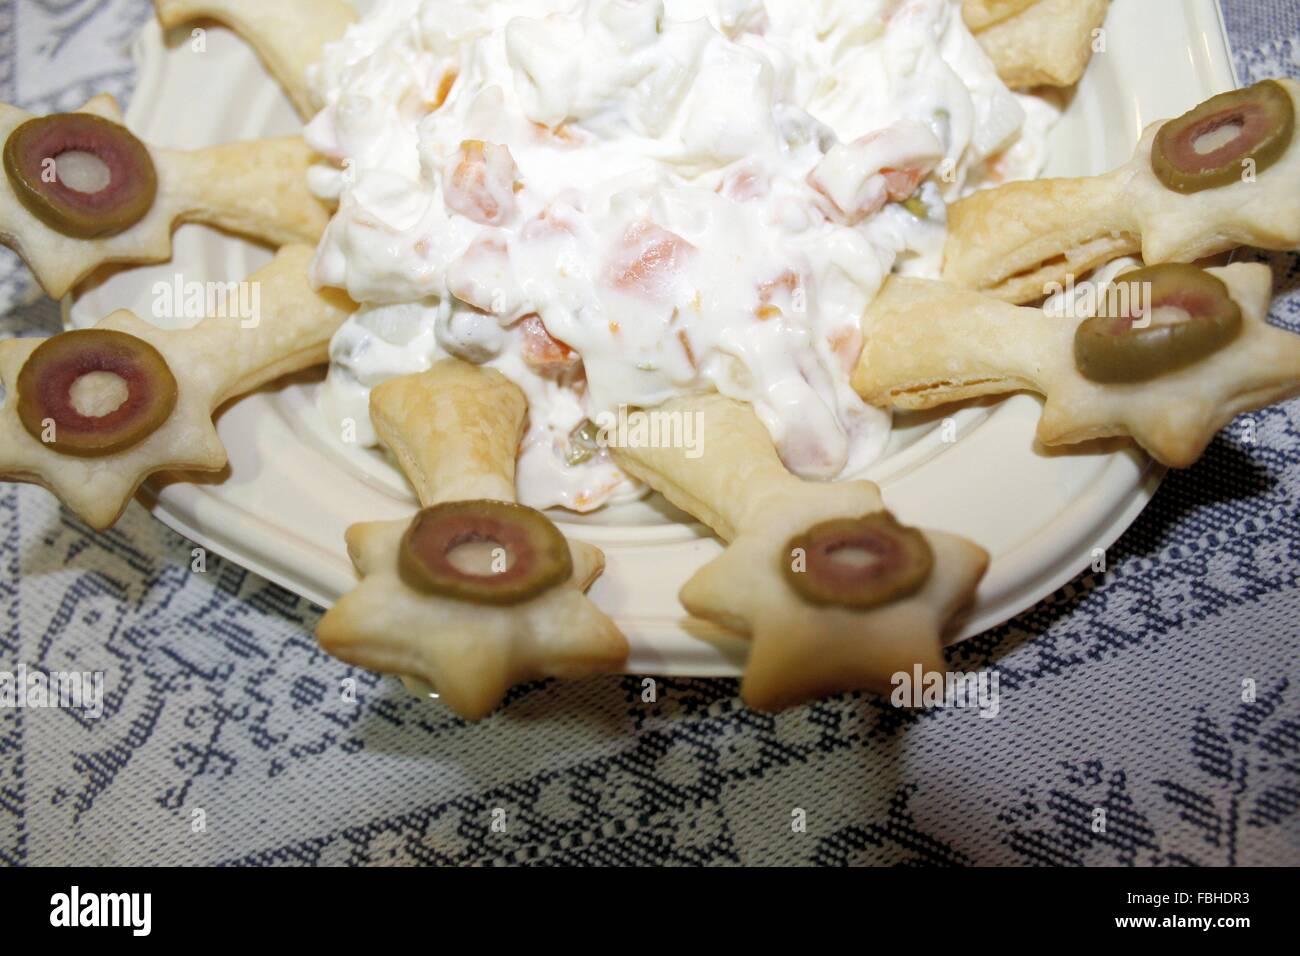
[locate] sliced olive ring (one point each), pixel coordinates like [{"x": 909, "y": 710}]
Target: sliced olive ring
[
  {"x": 890, "y": 561},
  {"x": 45, "y": 392},
  {"x": 1111, "y": 348},
  {"x": 1263, "y": 117},
  {"x": 119, "y": 205},
  {"x": 538, "y": 556}
]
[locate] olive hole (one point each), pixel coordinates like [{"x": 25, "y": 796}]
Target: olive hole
[
  {"x": 1169, "y": 315},
  {"x": 97, "y": 394},
  {"x": 1217, "y": 138},
  {"x": 82, "y": 171},
  {"x": 854, "y": 557},
  {"x": 479, "y": 556}
]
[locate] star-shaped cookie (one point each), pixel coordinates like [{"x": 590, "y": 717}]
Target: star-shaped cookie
[
  {"x": 1036, "y": 42},
  {"x": 258, "y": 189},
  {"x": 1015, "y": 241},
  {"x": 471, "y": 654},
  {"x": 288, "y": 35},
  {"x": 928, "y": 345},
  {"x": 800, "y": 650},
  {"x": 212, "y": 362},
  {"x": 455, "y": 431}
]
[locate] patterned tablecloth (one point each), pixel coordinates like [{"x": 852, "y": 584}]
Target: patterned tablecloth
[{"x": 223, "y": 737}]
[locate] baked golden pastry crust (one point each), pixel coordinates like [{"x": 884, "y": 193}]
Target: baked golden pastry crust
[
  {"x": 1036, "y": 42},
  {"x": 212, "y": 362},
  {"x": 287, "y": 34},
  {"x": 982, "y": 14},
  {"x": 1014, "y": 240},
  {"x": 928, "y": 344},
  {"x": 257, "y": 189},
  {"x": 455, "y": 430},
  {"x": 800, "y": 651}
]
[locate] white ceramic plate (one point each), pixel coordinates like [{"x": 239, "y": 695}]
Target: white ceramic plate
[{"x": 291, "y": 489}]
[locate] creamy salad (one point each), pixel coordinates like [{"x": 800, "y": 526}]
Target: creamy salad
[{"x": 619, "y": 201}]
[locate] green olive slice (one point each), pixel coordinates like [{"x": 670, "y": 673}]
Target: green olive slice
[
  {"x": 1256, "y": 123},
  {"x": 533, "y": 555},
  {"x": 857, "y": 563},
  {"x": 31, "y": 161},
  {"x": 1154, "y": 321},
  {"x": 48, "y": 411}
]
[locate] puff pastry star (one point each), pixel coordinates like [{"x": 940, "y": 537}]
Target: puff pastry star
[
  {"x": 1036, "y": 42},
  {"x": 258, "y": 189},
  {"x": 800, "y": 651},
  {"x": 928, "y": 344},
  {"x": 470, "y": 653},
  {"x": 455, "y": 431},
  {"x": 288, "y": 35},
  {"x": 212, "y": 362},
  {"x": 1016, "y": 240}
]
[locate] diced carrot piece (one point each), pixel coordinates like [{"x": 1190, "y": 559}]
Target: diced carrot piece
[
  {"x": 481, "y": 185},
  {"x": 648, "y": 260},
  {"x": 543, "y": 353}
]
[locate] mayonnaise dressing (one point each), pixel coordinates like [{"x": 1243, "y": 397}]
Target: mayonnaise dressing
[{"x": 616, "y": 202}]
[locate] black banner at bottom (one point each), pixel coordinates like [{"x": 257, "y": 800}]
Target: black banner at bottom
[{"x": 335, "y": 906}]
